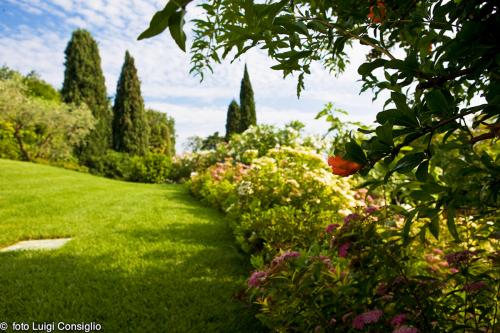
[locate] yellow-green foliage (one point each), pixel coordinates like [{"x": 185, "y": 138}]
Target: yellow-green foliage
[{"x": 33, "y": 128}]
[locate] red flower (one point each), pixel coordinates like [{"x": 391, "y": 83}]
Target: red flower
[
  {"x": 379, "y": 15},
  {"x": 343, "y": 167}
]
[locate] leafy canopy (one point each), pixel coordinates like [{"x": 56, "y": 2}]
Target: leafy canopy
[{"x": 439, "y": 62}]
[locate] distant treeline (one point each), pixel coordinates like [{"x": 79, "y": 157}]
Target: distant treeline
[{"x": 78, "y": 127}]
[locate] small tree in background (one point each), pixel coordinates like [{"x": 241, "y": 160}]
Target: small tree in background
[
  {"x": 34, "y": 128},
  {"x": 130, "y": 130},
  {"x": 162, "y": 132},
  {"x": 247, "y": 103},
  {"x": 233, "y": 119},
  {"x": 84, "y": 83}
]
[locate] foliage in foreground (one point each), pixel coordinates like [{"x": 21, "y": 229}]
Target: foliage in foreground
[
  {"x": 329, "y": 259},
  {"x": 443, "y": 89},
  {"x": 437, "y": 134},
  {"x": 357, "y": 276}
]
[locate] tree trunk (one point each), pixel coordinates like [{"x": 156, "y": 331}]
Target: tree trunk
[{"x": 24, "y": 153}]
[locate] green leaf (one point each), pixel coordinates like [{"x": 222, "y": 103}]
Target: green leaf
[
  {"x": 434, "y": 227},
  {"x": 407, "y": 225},
  {"x": 420, "y": 195},
  {"x": 404, "y": 114},
  {"x": 450, "y": 221},
  {"x": 384, "y": 133},
  {"x": 436, "y": 102},
  {"x": 301, "y": 28},
  {"x": 355, "y": 153},
  {"x": 408, "y": 162},
  {"x": 175, "y": 25},
  {"x": 422, "y": 171},
  {"x": 160, "y": 21},
  {"x": 257, "y": 261}
]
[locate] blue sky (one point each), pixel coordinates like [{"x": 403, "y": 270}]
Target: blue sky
[{"x": 34, "y": 34}]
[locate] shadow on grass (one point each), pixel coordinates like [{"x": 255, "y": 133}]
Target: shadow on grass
[{"x": 194, "y": 295}]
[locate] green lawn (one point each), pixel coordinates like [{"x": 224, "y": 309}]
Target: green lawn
[{"x": 144, "y": 258}]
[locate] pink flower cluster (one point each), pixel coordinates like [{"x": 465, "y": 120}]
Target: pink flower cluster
[
  {"x": 219, "y": 170},
  {"x": 405, "y": 329},
  {"x": 257, "y": 278},
  {"x": 398, "y": 320},
  {"x": 474, "y": 286},
  {"x": 287, "y": 255},
  {"x": 327, "y": 261},
  {"x": 371, "y": 209},
  {"x": 343, "y": 248},
  {"x": 331, "y": 227},
  {"x": 458, "y": 257},
  {"x": 368, "y": 317},
  {"x": 351, "y": 217}
]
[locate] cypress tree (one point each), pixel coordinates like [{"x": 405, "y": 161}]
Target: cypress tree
[
  {"x": 84, "y": 83},
  {"x": 247, "y": 104},
  {"x": 161, "y": 132},
  {"x": 233, "y": 119},
  {"x": 130, "y": 130}
]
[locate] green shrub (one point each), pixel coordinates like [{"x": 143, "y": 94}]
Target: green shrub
[
  {"x": 151, "y": 168},
  {"x": 112, "y": 165}
]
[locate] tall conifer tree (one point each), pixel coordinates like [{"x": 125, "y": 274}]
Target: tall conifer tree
[
  {"x": 130, "y": 130},
  {"x": 247, "y": 103},
  {"x": 84, "y": 83},
  {"x": 233, "y": 119}
]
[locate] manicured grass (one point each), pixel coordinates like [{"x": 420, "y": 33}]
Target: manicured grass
[{"x": 144, "y": 258}]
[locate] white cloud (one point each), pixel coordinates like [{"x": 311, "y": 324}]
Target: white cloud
[{"x": 163, "y": 68}]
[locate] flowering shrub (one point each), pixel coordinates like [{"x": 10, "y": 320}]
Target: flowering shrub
[
  {"x": 358, "y": 276},
  {"x": 218, "y": 184},
  {"x": 285, "y": 198},
  {"x": 261, "y": 138},
  {"x": 187, "y": 163}
]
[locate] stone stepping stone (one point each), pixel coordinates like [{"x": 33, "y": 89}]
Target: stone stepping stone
[{"x": 38, "y": 244}]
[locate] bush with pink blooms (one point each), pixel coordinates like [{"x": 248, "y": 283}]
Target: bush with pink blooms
[
  {"x": 331, "y": 258},
  {"x": 361, "y": 276}
]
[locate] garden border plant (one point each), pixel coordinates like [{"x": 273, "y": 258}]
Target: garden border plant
[{"x": 438, "y": 130}]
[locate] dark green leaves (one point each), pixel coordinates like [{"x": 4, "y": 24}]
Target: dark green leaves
[
  {"x": 450, "y": 221},
  {"x": 404, "y": 116},
  {"x": 436, "y": 101},
  {"x": 384, "y": 134},
  {"x": 355, "y": 153},
  {"x": 434, "y": 226},
  {"x": 160, "y": 21},
  {"x": 172, "y": 16},
  {"x": 422, "y": 171},
  {"x": 408, "y": 162},
  {"x": 176, "y": 22},
  {"x": 368, "y": 67}
]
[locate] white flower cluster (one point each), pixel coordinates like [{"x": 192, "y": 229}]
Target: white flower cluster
[{"x": 245, "y": 188}]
